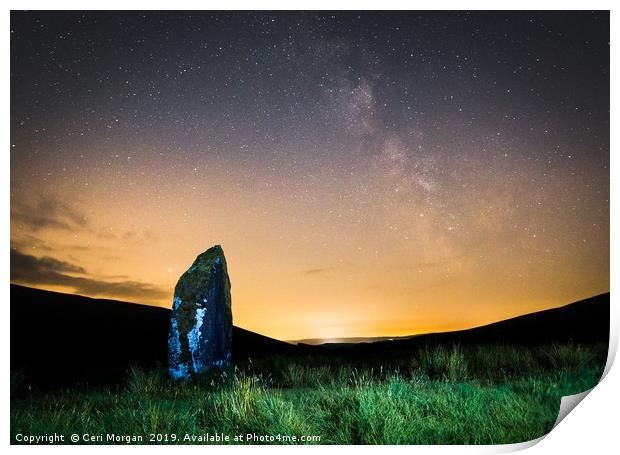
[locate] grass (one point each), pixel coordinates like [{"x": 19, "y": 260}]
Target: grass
[{"x": 435, "y": 395}]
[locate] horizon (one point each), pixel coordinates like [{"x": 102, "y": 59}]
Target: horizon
[
  {"x": 327, "y": 340},
  {"x": 367, "y": 174}
]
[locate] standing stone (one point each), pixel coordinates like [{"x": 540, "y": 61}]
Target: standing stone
[{"x": 201, "y": 321}]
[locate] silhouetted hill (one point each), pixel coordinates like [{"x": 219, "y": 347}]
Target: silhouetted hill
[
  {"x": 585, "y": 321},
  {"x": 58, "y": 339}
]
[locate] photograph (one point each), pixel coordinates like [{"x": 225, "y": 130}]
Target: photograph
[{"x": 306, "y": 227}]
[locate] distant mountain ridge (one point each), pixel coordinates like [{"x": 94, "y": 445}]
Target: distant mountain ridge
[
  {"x": 584, "y": 320},
  {"x": 58, "y": 338},
  {"x": 348, "y": 340}
]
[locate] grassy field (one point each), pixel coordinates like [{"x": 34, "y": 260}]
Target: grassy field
[{"x": 436, "y": 395}]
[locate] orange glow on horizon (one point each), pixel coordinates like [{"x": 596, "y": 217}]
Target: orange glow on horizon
[{"x": 298, "y": 272}]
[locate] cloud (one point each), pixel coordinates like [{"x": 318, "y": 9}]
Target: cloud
[
  {"x": 46, "y": 270},
  {"x": 26, "y": 262},
  {"x": 316, "y": 271},
  {"x": 48, "y": 213},
  {"x": 29, "y": 241}
]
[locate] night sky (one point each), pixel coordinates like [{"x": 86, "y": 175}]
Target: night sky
[{"x": 367, "y": 173}]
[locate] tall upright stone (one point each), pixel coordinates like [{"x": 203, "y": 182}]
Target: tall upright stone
[{"x": 200, "y": 335}]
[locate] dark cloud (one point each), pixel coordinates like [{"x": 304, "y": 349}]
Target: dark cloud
[
  {"x": 26, "y": 262},
  {"x": 29, "y": 269},
  {"x": 26, "y": 241},
  {"x": 48, "y": 213},
  {"x": 316, "y": 271}
]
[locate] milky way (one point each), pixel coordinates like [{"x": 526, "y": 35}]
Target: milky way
[{"x": 371, "y": 173}]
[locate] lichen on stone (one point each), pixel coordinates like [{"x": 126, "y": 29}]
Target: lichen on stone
[{"x": 201, "y": 319}]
